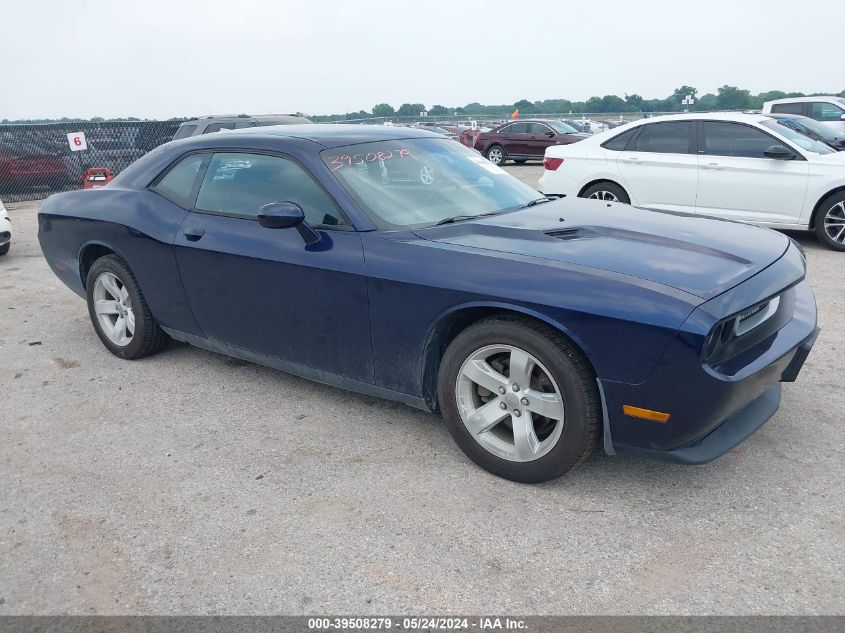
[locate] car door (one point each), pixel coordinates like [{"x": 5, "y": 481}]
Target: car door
[
  {"x": 515, "y": 139},
  {"x": 738, "y": 182},
  {"x": 659, "y": 169},
  {"x": 540, "y": 136},
  {"x": 264, "y": 290}
]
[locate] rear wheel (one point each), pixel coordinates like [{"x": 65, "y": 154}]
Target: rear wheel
[
  {"x": 830, "y": 222},
  {"x": 5, "y": 248},
  {"x": 497, "y": 155},
  {"x": 608, "y": 191},
  {"x": 519, "y": 399},
  {"x": 119, "y": 312}
]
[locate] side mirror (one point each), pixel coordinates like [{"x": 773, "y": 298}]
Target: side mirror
[
  {"x": 779, "y": 152},
  {"x": 550, "y": 134},
  {"x": 842, "y": 118},
  {"x": 287, "y": 215}
]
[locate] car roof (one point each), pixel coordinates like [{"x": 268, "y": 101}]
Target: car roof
[
  {"x": 332, "y": 135},
  {"x": 243, "y": 117},
  {"x": 812, "y": 99},
  {"x": 737, "y": 117}
]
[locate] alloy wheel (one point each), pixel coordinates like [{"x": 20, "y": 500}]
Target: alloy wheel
[
  {"x": 510, "y": 403},
  {"x": 603, "y": 195},
  {"x": 834, "y": 223},
  {"x": 495, "y": 156},
  {"x": 113, "y": 308}
]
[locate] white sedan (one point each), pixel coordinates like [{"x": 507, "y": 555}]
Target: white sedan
[
  {"x": 5, "y": 230},
  {"x": 742, "y": 167}
]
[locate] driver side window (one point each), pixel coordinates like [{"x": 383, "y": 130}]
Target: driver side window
[{"x": 239, "y": 184}]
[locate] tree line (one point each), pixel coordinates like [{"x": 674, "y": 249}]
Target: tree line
[{"x": 726, "y": 98}]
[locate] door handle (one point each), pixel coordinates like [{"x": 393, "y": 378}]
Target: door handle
[
  {"x": 712, "y": 166},
  {"x": 633, "y": 159},
  {"x": 194, "y": 235}
]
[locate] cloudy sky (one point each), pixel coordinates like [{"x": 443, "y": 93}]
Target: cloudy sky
[{"x": 83, "y": 58}]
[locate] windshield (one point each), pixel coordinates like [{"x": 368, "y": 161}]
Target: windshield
[
  {"x": 420, "y": 182},
  {"x": 563, "y": 128},
  {"x": 801, "y": 140},
  {"x": 819, "y": 129}
]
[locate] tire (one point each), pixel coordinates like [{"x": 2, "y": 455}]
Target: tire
[
  {"x": 561, "y": 444},
  {"x": 608, "y": 191},
  {"x": 521, "y": 161},
  {"x": 147, "y": 337},
  {"x": 496, "y": 154},
  {"x": 830, "y": 221},
  {"x": 5, "y": 248}
]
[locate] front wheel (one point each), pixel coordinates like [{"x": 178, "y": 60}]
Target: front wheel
[
  {"x": 119, "y": 312},
  {"x": 497, "y": 155},
  {"x": 607, "y": 191},
  {"x": 5, "y": 248},
  {"x": 830, "y": 222},
  {"x": 519, "y": 399}
]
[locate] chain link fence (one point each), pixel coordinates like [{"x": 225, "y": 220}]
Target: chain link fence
[{"x": 36, "y": 160}]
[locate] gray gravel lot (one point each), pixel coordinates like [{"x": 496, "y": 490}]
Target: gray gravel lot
[{"x": 191, "y": 483}]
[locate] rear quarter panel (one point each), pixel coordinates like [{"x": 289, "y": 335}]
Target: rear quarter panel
[{"x": 139, "y": 226}]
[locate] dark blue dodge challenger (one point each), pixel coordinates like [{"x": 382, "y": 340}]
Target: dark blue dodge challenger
[{"x": 397, "y": 263}]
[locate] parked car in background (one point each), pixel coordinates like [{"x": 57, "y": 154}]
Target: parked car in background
[
  {"x": 451, "y": 134},
  {"x": 524, "y": 140},
  {"x": 812, "y": 128},
  {"x": 5, "y": 230},
  {"x": 587, "y": 126},
  {"x": 539, "y": 329},
  {"x": 26, "y": 165},
  {"x": 206, "y": 125},
  {"x": 468, "y": 135},
  {"x": 737, "y": 166},
  {"x": 827, "y": 109}
]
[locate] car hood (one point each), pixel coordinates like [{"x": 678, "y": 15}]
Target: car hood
[{"x": 701, "y": 256}]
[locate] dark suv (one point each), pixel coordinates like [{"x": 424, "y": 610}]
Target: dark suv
[
  {"x": 206, "y": 125},
  {"x": 521, "y": 141}
]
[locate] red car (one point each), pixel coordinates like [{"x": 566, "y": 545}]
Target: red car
[
  {"x": 22, "y": 171},
  {"x": 521, "y": 141}
]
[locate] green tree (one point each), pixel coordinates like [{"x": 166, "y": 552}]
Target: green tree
[
  {"x": 634, "y": 102},
  {"x": 383, "y": 109},
  {"x": 733, "y": 98},
  {"x": 438, "y": 110},
  {"x": 410, "y": 109},
  {"x": 612, "y": 103}
]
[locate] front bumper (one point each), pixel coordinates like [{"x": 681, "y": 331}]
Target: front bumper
[
  {"x": 714, "y": 409},
  {"x": 736, "y": 428}
]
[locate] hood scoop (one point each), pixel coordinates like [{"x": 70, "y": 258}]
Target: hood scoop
[{"x": 563, "y": 234}]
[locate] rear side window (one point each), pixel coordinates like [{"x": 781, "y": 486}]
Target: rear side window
[
  {"x": 240, "y": 184},
  {"x": 664, "y": 138},
  {"x": 184, "y": 131},
  {"x": 178, "y": 184},
  {"x": 733, "y": 139},
  {"x": 788, "y": 108},
  {"x": 619, "y": 143},
  {"x": 515, "y": 128},
  {"x": 823, "y": 111}
]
